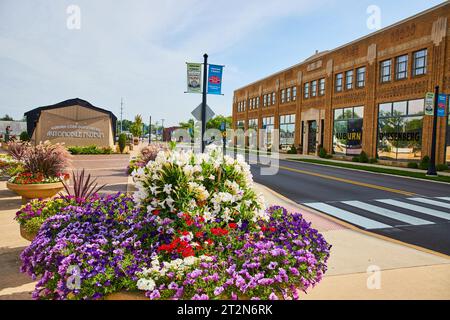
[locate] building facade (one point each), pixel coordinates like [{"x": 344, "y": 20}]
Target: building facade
[
  {"x": 74, "y": 122},
  {"x": 367, "y": 95}
]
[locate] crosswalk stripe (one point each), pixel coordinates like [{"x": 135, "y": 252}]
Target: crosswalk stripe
[
  {"x": 388, "y": 213},
  {"x": 432, "y": 202},
  {"x": 348, "y": 216},
  {"x": 444, "y": 198},
  {"x": 413, "y": 207}
]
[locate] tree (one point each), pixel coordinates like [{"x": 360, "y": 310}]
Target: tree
[
  {"x": 136, "y": 127},
  {"x": 187, "y": 125},
  {"x": 6, "y": 117},
  {"x": 125, "y": 125},
  {"x": 216, "y": 122}
]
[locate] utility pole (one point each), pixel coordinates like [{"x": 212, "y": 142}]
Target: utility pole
[
  {"x": 204, "y": 96},
  {"x": 432, "y": 166},
  {"x": 150, "y": 131},
  {"x": 121, "y": 115}
]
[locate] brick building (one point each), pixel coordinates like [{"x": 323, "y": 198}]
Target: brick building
[{"x": 366, "y": 95}]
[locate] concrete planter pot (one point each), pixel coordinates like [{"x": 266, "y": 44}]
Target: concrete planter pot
[
  {"x": 35, "y": 191},
  {"x": 139, "y": 295},
  {"x": 126, "y": 295},
  {"x": 26, "y": 235}
]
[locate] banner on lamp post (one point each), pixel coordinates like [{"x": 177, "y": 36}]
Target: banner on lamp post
[
  {"x": 442, "y": 105},
  {"x": 194, "y": 77},
  {"x": 429, "y": 104},
  {"x": 215, "y": 79}
]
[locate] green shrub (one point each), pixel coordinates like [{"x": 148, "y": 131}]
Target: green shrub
[
  {"x": 363, "y": 157},
  {"x": 329, "y": 156},
  {"x": 122, "y": 142},
  {"x": 413, "y": 165},
  {"x": 373, "y": 160},
  {"x": 442, "y": 167},
  {"x": 424, "y": 163},
  {"x": 90, "y": 150},
  {"x": 355, "y": 159},
  {"x": 292, "y": 150},
  {"x": 322, "y": 153},
  {"x": 24, "y": 136}
]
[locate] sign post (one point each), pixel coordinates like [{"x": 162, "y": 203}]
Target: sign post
[
  {"x": 150, "y": 131},
  {"x": 211, "y": 84},
  {"x": 223, "y": 128},
  {"x": 432, "y": 166},
  {"x": 204, "y": 95}
]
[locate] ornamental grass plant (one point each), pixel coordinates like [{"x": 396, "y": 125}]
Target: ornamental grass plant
[{"x": 43, "y": 163}]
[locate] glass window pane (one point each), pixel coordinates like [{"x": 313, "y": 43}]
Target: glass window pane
[
  {"x": 358, "y": 112},
  {"x": 338, "y": 114},
  {"x": 348, "y": 113},
  {"x": 409, "y": 144},
  {"x": 416, "y": 107},
  {"x": 340, "y": 137},
  {"x": 387, "y": 129},
  {"x": 399, "y": 108},
  {"x": 385, "y": 110}
]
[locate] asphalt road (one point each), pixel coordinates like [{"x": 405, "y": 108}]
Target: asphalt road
[{"x": 409, "y": 210}]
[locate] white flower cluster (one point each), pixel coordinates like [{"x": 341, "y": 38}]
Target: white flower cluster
[
  {"x": 232, "y": 192},
  {"x": 159, "y": 269}
]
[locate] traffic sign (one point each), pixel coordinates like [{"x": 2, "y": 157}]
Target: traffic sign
[{"x": 197, "y": 113}]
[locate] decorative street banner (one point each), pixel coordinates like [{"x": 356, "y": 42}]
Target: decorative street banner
[
  {"x": 442, "y": 105},
  {"x": 429, "y": 104},
  {"x": 194, "y": 77},
  {"x": 215, "y": 79}
]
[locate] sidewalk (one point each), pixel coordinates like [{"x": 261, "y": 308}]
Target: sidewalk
[{"x": 405, "y": 272}]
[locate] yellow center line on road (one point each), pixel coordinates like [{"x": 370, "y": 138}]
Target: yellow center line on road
[{"x": 362, "y": 184}]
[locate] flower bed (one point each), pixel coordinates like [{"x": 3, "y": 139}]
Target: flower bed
[
  {"x": 43, "y": 163},
  {"x": 32, "y": 215},
  {"x": 37, "y": 178},
  {"x": 195, "y": 229},
  {"x": 9, "y": 167},
  {"x": 146, "y": 155}
]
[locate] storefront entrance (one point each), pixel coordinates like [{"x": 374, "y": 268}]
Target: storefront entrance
[{"x": 312, "y": 132}]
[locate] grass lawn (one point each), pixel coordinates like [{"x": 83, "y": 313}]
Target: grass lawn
[{"x": 396, "y": 172}]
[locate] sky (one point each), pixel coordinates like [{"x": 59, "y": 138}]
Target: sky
[{"x": 137, "y": 50}]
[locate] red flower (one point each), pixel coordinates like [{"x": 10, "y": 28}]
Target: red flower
[
  {"x": 199, "y": 234},
  {"x": 232, "y": 225},
  {"x": 187, "y": 252},
  {"x": 155, "y": 212},
  {"x": 272, "y": 229},
  {"x": 219, "y": 231},
  {"x": 209, "y": 241}
]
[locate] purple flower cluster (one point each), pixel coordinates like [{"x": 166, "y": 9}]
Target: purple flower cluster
[
  {"x": 273, "y": 264},
  {"x": 88, "y": 251},
  {"x": 100, "y": 247}
]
